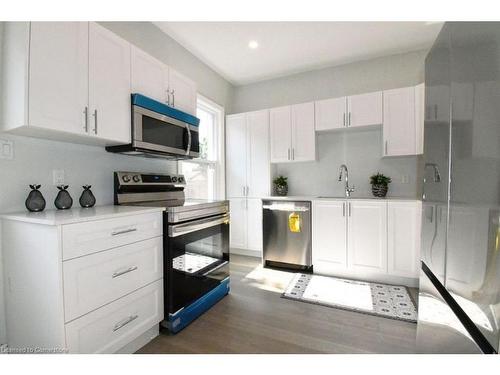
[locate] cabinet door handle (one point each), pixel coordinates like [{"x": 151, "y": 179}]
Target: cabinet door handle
[
  {"x": 117, "y": 233},
  {"x": 167, "y": 92},
  {"x": 350, "y": 209},
  {"x": 343, "y": 209},
  {"x": 344, "y": 121},
  {"x": 120, "y": 273},
  {"x": 86, "y": 113},
  {"x": 385, "y": 151},
  {"x": 123, "y": 323},
  {"x": 349, "y": 118},
  {"x": 173, "y": 98},
  {"x": 95, "y": 121}
]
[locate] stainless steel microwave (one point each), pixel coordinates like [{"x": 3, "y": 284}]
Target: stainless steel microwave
[{"x": 159, "y": 130}]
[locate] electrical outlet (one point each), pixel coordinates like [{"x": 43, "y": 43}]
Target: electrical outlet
[
  {"x": 405, "y": 179},
  {"x": 6, "y": 149},
  {"x": 58, "y": 176}
]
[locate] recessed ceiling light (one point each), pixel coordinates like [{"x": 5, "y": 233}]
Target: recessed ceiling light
[{"x": 253, "y": 44}]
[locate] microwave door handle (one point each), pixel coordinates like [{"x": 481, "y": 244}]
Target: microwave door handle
[{"x": 189, "y": 140}]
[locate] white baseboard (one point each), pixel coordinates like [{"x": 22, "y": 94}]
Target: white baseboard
[{"x": 246, "y": 252}]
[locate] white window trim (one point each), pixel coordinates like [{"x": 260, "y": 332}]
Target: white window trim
[{"x": 220, "y": 165}]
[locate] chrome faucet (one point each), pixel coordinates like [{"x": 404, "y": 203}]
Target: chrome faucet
[
  {"x": 348, "y": 189},
  {"x": 437, "y": 175}
]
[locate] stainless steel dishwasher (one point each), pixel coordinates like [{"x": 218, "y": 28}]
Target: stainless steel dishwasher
[{"x": 287, "y": 234}]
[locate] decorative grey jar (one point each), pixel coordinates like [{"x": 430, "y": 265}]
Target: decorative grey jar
[
  {"x": 63, "y": 200},
  {"x": 379, "y": 191},
  {"x": 87, "y": 198},
  {"x": 35, "y": 201},
  {"x": 281, "y": 190}
]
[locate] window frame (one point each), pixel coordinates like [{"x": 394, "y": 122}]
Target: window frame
[{"x": 220, "y": 145}]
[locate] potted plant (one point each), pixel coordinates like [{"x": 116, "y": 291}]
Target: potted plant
[
  {"x": 281, "y": 185},
  {"x": 380, "y": 184}
]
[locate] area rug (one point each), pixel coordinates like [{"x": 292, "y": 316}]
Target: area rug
[{"x": 388, "y": 301}]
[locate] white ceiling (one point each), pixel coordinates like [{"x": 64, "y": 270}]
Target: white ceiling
[{"x": 292, "y": 47}]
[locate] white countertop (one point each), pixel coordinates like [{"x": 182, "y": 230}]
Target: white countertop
[
  {"x": 324, "y": 198},
  {"x": 77, "y": 214}
]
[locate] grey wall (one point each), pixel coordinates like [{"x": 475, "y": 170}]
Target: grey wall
[
  {"x": 378, "y": 74},
  {"x": 36, "y": 158},
  {"x": 361, "y": 150}
]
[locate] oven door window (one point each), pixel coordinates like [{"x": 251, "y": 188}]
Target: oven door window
[{"x": 196, "y": 263}]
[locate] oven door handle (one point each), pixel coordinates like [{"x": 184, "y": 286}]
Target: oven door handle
[
  {"x": 181, "y": 229},
  {"x": 215, "y": 268}
]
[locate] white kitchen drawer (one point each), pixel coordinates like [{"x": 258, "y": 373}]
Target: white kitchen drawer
[
  {"x": 111, "y": 327},
  {"x": 97, "y": 279},
  {"x": 93, "y": 236}
]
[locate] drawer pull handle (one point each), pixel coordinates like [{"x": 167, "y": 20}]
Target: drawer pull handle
[
  {"x": 117, "y": 233},
  {"x": 124, "y": 322},
  {"x": 120, "y": 273}
]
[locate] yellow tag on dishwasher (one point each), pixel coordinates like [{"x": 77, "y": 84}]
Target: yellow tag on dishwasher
[{"x": 294, "y": 222}]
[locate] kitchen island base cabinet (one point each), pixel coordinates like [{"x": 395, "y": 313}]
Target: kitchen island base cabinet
[{"x": 367, "y": 240}]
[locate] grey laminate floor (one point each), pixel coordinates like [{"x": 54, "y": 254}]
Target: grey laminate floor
[{"x": 254, "y": 319}]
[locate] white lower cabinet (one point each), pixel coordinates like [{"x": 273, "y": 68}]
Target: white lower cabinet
[
  {"x": 111, "y": 327},
  {"x": 329, "y": 236},
  {"x": 246, "y": 224},
  {"x": 367, "y": 234},
  {"x": 97, "y": 302},
  {"x": 367, "y": 239},
  {"x": 403, "y": 238}
]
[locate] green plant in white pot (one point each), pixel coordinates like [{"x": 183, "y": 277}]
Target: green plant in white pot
[
  {"x": 380, "y": 184},
  {"x": 281, "y": 185}
]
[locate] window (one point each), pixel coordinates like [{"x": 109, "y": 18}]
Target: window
[{"x": 205, "y": 175}]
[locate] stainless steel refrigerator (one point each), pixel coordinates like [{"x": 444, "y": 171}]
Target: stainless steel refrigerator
[{"x": 459, "y": 298}]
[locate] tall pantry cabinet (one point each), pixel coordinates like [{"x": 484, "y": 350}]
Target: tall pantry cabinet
[{"x": 248, "y": 176}]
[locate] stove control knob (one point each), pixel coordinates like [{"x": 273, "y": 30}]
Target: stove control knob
[
  {"x": 181, "y": 179},
  {"x": 126, "y": 178},
  {"x": 174, "y": 179},
  {"x": 136, "y": 178}
]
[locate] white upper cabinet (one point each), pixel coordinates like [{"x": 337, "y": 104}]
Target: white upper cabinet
[
  {"x": 109, "y": 85},
  {"x": 182, "y": 92},
  {"x": 330, "y": 113},
  {"x": 258, "y": 166},
  {"x": 329, "y": 236},
  {"x": 58, "y": 76},
  {"x": 292, "y": 133},
  {"x": 280, "y": 123},
  {"x": 247, "y": 154},
  {"x": 303, "y": 135},
  {"x": 400, "y": 132},
  {"x": 367, "y": 233},
  {"x": 403, "y": 244},
  {"x": 72, "y": 81},
  {"x": 149, "y": 76},
  {"x": 419, "y": 118},
  {"x": 236, "y": 155},
  {"x": 364, "y": 109}
]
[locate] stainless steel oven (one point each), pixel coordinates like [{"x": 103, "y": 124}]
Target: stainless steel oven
[
  {"x": 195, "y": 243},
  {"x": 196, "y": 265},
  {"x": 159, "y": 130}
]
